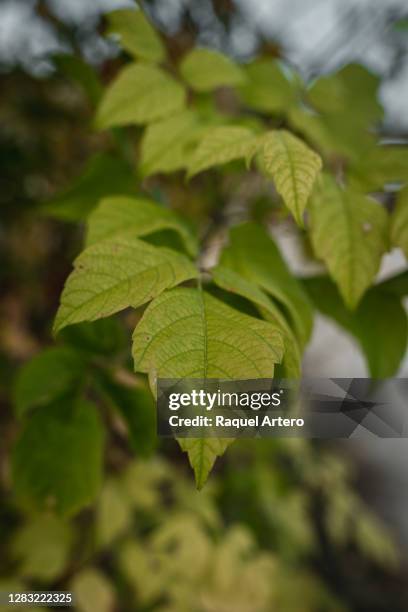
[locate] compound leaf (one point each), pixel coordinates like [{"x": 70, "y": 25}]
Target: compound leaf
[
  {"x": 115, "y": 274},
  {"x": 349, "y": 233},
  {"x": 142, "y": 93},
  {"x": 294, "y": 168},
  {"x": 117, "y": 216},
  {"x": 136, "y": 34},
  {"x": 221, "y": 145},
  {"x": 252, "y": 253},
  {"x": 57, "y": 461},
  {"x": 205, "y": 70},
  {"x": 187, "y": 333},
  {"x": 399, "y": 222}
]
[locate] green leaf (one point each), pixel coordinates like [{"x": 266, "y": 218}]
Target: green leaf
[
  {"x": 266, "y": 88},
  {"x": 92, "y": 591},
  {"x": 294, "y": 168},
  {"x": 82, "y": 73},
  {"x": 47, "y": 376},
  {"x": 136, "y": 406},
  {"x": 166, "y": 145},
  {"x": 136, "y": 34},
  {"x": 205, "y": 70},
  {"x": 349, "y": 233},
  {"x": 229, "y": 280},
  {"x": 379, "y": 166},
  {"x": 397, "y": 285},
  {"x": 117, "y": 216},
  {"x": 221, "y": 145},
  {"x": 379, "y": 323},
  {"x": 253, "y": 254},
  {"x": 102, "y": 337},
  {"x": 351, "y": 91},
  {"x": 42, "y": 547},
  {"x": 57, "y": 460},
  {"x": 399, "y": 222},
  {"x": 115, "y": 274},
  {"x": 103, "y": 175},
  {"x": 140, "y": 94},
  {"x": 187, "y": 333},
  {"x": 114, "y": 513}
]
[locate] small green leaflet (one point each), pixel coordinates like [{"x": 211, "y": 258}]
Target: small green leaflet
[
  {"x": 266, "y": 88},
  {"x": 187, "y": 333},
  {"x": 399, "y": 222},
  {"x": 221, "y": 145},
  {"x": 57, "y": 461},
  {"x": 379, "y": 323},
  {"x": 103, "y": 175},
  {"x": 227, "y": 279},
  {"x": 294, "y": 168},
  {"x": 134, "y": 217},
  {"x": 140, "y": 94},
  {"x": 252, "y": 253},
  {"x": 205, "y": 70},
  {"x": 166, "y": 145},
  {"x": 48, "y": 375},
  {"x": 115, "y": 274},
  {"x": 349, "y": 232},
  {"x": 136, "y": 34}
]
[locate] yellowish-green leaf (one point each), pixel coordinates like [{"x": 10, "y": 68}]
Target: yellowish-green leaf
[
  {"x": 135, "y": 217},
  {"x": 187, "y": 333},
  {"x": 140, "y": 94},
  {"x": 294, "y": 168},
  {"x": 221, "y": 145},
  {"x": 115, "y": 274},
  {"x": 205, "y": 70},
  {"x": 379, "y": 166},
  {"x": 349, "y": 233},
  {"x": 231, "y": 281},
  {"x": 136, "y": 34},
  {"x": 266, "y": 88},
  {"x": 92, "y": 591},
  {"x": 399, "y": 222},
  {"x": 253, "y": 254},
  {"x": 166, "y": 145}
]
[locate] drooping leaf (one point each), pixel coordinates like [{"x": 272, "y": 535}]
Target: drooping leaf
[
  {"x": 136, "y": 34},
  {"x": 187, "y": 333},
  {"x": 166, "y": 145},
  {"x": 42, "y": 547},
  {"x": 253, "y": 254},
  {"x": 50, "y": 374},
  {"x": 57, "y": 460},
  {"x": 115, "y": 274},
  {"x": 103, "y": 175},
  {"x": 140, "y": 94},
  {"x": 294, "y": 168},
  {"x": 221, "y": 145},
  {"x": 231, "y": 281},
  {"x": 379, "y": 323},
  {"x": 399, "y": 222},
  {"x": 349, "y": 233},
  {"x": 266, "y": 88},
  {"x": 206, "y": 69},
  {"x": 118, "y": 216}
]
